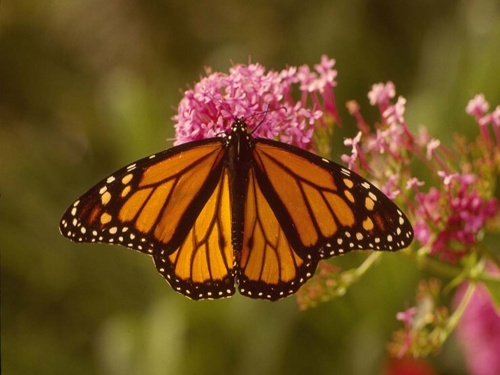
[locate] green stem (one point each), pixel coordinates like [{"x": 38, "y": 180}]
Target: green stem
[
  {"x": 438, "y": 267},
  {"x": 447, "y": 270},
  {"x": 352, "y": 275},
  {"x": 368, "y": 262},
  {"x": 459, "y": 311}
]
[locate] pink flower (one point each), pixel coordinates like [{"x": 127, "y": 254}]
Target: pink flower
[
  {"x": 355, "y": 150},
  {"x": 414, "y": 183},
  {"x": 407, "y": 318},
  {"x": 477, "y": 106},
  {"x": 381, "y": 95},
  {"x": 479, "y": 332},
  {"x": 458, "y": 212},
  {"x": 495, "y": 116},
  {"x": 392, "y": 135},
  {"x": 395, "y": 113},
  {"x": 492, "y": 118},
  {"x": 391, "y": 187},
  {"x": 422, "y": 232},
  {"x": 260, "y": 97},
  {"x": 432, "y": 145},
  {"x": 447, "y": 177}
]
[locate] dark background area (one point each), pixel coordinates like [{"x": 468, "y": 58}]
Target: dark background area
[{"x": 89, "y": 86}]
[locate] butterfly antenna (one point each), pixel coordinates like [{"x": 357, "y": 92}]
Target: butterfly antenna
[{"x": 265, "y": 112}]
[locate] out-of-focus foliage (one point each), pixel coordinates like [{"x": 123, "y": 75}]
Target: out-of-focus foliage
[{"x": 88, "y": 86}]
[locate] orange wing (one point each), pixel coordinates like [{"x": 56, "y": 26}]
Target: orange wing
[
  {"x": 270, "y": 268},
  {"x": 301, "y": 208},
  {"x": 325, "y": 209},
  {"x": 173, "y": 205},
  {"x": 202, "y": 266}
]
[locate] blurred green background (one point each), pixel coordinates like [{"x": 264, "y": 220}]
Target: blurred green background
[{"x": 89, "y": 86}]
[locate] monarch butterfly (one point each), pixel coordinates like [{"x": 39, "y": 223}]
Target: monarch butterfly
[{"x": 237, "y": 210}]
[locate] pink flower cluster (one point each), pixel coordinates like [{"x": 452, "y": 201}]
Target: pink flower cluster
[
  {"x": 456, "y": 214},
  {"x": 285, "y": 104},
  {"x": 448, "y": 216},
  {"x": 390, "y": 141}
]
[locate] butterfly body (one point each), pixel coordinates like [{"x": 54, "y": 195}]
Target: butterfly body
[
  {"x": 238, "y": 144},
  {"x": 237, "y": 211}
]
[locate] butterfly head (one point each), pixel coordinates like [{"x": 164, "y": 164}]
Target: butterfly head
[
  {"x": 239, "y": 126},
  {"x": 239, "y": 132}
]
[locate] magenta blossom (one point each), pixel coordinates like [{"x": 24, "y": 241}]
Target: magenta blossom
[
  {"x": 477, "y": 106},
  {"x": 382, "y": 150},
  {"x": 381, "y": 95},
  {"x": 407, "y": 318},
  {"x": 262, "y": 98},
  {"x": 458, "y": 211},
  {"x": 479, "y": 332}
]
